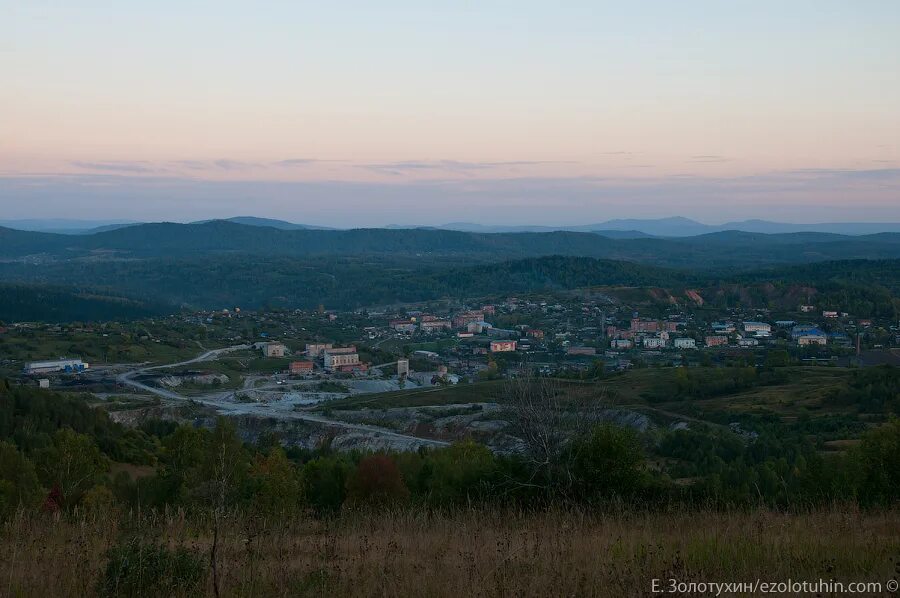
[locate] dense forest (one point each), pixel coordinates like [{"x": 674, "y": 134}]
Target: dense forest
[
  {"x": 864, "y": 288},
  {"x": 57, "y": 450},
  {"x": 24, "y": 302}
]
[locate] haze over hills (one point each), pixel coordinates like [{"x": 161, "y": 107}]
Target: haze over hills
[
  {"x": 724, "y": 249},
  {"x": 685, "y": 227},
  {"x": 617, "y": 228},
  {"x": 727, "y": 249}
]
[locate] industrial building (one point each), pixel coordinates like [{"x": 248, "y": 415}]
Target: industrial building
[
  {"x": 339, "y": 358},
  {"x": 273, "y": 350},
  {"x": 316, "y": 349},
  {"x": 59, "y": 365},
  {"x": 301, "y": 367}
]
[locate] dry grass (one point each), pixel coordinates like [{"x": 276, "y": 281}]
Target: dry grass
[{"x": 477, "y": 553}]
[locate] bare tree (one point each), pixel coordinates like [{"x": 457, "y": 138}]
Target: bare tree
[
  {"x": 222, "y": 478},
  {"x": 546, "y": 419}
]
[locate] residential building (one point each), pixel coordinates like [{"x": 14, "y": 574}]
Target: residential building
[
  {"x": 747, "y": 342},
  {"x": 829, "y": 314},
  {"x": 807, "y": 308},
  {"x": 639, "y": 325},
  {"x": 502, "y": 333},
  {"x": 581, "y": 351},
  {"x": 460, "y": 320},
  {"x": 716, "y": 341},
  {"x": 477, "y": 327},
  {"x": 535, "y": 334},
  {"x": 652, "y": 342},
  {"x": 805, "y": 330},
  {"x": 502, "y": 346},
  {"x": 812, "y": 339},
  {"x": 758, "y": 328},
  {"x": 685, "y": 343},
  {"x": 621, "y": 343},
  {"x": 403, "y": 326},
  {"x": 435, "y": 326}
]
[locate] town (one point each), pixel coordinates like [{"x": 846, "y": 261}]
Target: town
[{"x": 296, "y": 365}]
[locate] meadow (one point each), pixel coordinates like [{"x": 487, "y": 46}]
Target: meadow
[{"x": 616, "y": 550}]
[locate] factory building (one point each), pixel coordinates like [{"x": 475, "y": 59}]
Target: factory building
[{"x": 59, "y": 365}]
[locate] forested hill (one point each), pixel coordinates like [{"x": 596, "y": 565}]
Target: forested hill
[
  {"x": 23, "y": 303},
  {"x": 353, "y": 282},
  {"x": 724, "y": 250}
]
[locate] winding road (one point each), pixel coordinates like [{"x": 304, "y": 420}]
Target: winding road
[{"x": 226, "y": 407}]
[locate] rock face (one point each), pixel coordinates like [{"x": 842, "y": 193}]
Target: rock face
[
  {"x": 401, "y": 428},
  {"x": 201, "y": 379}
]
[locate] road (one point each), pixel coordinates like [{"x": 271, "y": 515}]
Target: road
[{"x": 222, "y": 405}]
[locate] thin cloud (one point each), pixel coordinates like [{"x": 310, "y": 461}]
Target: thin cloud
[
  {"x": 709, "y": 158},
  {"x": 454, "y": 166},
  {"x": 117, "y": 166},
  {"x": 225, "y": 164}
]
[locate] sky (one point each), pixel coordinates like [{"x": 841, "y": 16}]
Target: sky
[{"x": 374, "y": 113}]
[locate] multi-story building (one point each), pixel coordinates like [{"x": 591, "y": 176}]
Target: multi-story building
[
  {"x": 652, "y": 342},
  {"x": 273, "y": 349},
  {"x": 301, "y": 367},
  {"x": 716, "y": 341},
  {"x": 403, "y": 325},
  {"x": 460, "y": 320},
  {"x": 477, "y": 327},
  {"x": 812, "y": 339},
  {"x": 502, "y": 346},
  {"x": 581, "y": 351},
  {"x": 502, "y": 333},
  {"x": 639, "y": 325},
  {"x": 621, "y": 343},
  {"x": 434, "y": 326},
  {"x": 685, "y": 343},
  {"x": 316, "y": 349},
  {"x": 335, "y": 359},
  {"x": 758, "y": 328},
  {"x": 805, "y": 330}
]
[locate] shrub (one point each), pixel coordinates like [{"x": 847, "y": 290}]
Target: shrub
[
  {"x": 377, "y": 480},
  {"x": 138, "y": 569}
]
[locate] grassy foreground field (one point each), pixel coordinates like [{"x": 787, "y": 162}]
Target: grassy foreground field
[{"x": 477, "y": 553}]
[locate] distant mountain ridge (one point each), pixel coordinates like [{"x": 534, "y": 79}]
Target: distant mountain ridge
[
  {"x": 724, "y": 250},
  {"x": 679, "y": 226},
  {"x": 676, "y": 226}
]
